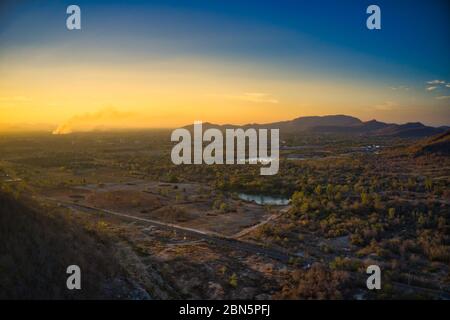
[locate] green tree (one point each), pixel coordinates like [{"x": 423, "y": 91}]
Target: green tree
[
  {"x": 223, "y": 207},
  {"x": 233, "y": 280},
  {"x": 365, "y": 199},
  {"x": 428, "y": 184},
  {"x": 391, "y": 213},
  {"x": 318, "y": 189}
]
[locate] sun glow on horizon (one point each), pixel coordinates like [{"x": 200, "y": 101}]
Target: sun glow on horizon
[
  {"x": 162, "y": 73},
  {"x": 175, "y": 93}
]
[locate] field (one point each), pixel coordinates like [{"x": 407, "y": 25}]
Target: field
[
  {"x": 185, "y": 204},
  {"x": 186, "y": 231}
]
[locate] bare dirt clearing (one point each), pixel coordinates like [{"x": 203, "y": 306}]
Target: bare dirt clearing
[{"x": 190, "y": 205}]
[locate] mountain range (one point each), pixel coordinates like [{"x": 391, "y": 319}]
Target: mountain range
[{"x": 343, "y": 124}]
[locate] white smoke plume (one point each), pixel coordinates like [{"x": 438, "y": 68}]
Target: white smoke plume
[{"x": 107, "y": 117}]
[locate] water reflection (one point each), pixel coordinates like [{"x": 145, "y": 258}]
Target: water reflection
[{"x": 263, "y": 200}]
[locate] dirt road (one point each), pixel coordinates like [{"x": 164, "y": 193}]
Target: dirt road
[{"x": 211, "y": 237}]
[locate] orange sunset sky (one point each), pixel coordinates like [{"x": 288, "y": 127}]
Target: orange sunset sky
[{"x": 156, "y": 65}]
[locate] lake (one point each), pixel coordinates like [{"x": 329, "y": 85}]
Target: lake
[{"x": 263, "y": 200}]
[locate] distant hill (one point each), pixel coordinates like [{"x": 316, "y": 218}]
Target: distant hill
[
  {"x": 436, "y": 145},
  {"x": 408, "y": 130},
  {"x": 310, "y": 123},
  {"x": 342, "y": 124}
]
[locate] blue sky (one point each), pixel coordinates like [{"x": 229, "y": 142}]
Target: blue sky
[{"x": 414, "y": 33}]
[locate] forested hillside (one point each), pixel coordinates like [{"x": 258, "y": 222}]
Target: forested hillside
[{"x": 36, "y": 247}]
